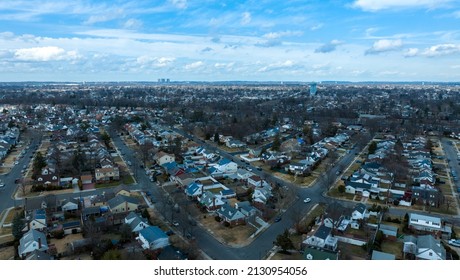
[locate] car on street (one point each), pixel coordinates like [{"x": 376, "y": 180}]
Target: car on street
[
  {"x": 454, "y": 242},
  {"x": 307, "y": 200},
  {"x": 175, "y": 223},
  {"x": 277, "y": 219}
]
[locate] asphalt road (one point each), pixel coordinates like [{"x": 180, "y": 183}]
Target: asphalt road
[{"x": 6, "y": 194}]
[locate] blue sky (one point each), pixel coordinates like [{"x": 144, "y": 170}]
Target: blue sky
[{"x": 207, "y": 40}]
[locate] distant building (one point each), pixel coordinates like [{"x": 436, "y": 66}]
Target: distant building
[{"x": 312, "y": 88}]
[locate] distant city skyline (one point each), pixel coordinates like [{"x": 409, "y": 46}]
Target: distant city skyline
[{"x": 187, "y": 40}]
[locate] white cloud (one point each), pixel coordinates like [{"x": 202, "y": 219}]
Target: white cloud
[
  {"x": 377, "y": 5},
  {"x": 328, "y": 47},
  {"x": 132, "y": 24},
  {"x": 277, "y": 35},
  {"x": 278, "y": 66},
  {"x": 104, "y": 17},
  {"x": 442, "y": 49},
  {"x": 385, "y": 45},
  {"x": 180, "y": 4},
  {"x": 44, "y": 54},
  {"x": 245, "y": 18},
  {"x": 316, "y": 26},
  {"x": 158, "y": 62},
  {"x": 411, "y": 52},
  {"x": 227, "y": 66},
  {"x": 194, "y": 65}
]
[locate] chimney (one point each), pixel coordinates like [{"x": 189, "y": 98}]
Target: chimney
[
  {"x": 214, "y": 203},
  {"x": 39, "y": 243}
]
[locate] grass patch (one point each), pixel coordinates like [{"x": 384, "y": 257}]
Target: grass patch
[
  {"x": 291, "y": 256},
  {"x": 446, "y": 189},
  {"x": 351, "y": 252},
  {"x": 392, "y": 247},
  {"x": 107, "y": 185},
  {"x": 128, "y": 180}
]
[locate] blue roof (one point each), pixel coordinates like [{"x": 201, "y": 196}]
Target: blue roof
[
  {"x": 40, "y": 214},
  {"x": 170, "y": 165},
  {"x": 152, "y": 233},
  {"x": 224, "y": 161},
  {"x": 71, "y": 224},
  {"x": 212, "y": 170},
  {"x": 227, "y": 192},
  {"x": 192, "y": 188},
  {"x": 300, "y": 141},
  {"x": 192, "y": 170}
]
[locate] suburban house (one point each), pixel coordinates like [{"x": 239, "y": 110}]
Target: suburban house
[
  {"x": 231, "y": 215},
  {"x": 152, "y": 238},
  {"x": 86, "y": 179},
  {"x": 359, "y": 212},
  {"x": 424, "y": 223},
  {"x": 424, "y": 247},
  {"x": 38, "y": 220},
  {"x": 226, "y": 166},
  {"x": 107, "y": 174},
  {"x": 70, "y": 205},
  {"x": 210, "y": 201},
  {"x": 135, "y": 222},
  {"x": 389, "y": 232},
  {"x": 322, "y": 239},
  {"x": 48, "y": 177},
  {"x": 32, "y": 240},
  {"x": 162, "y": 158},
  {"x": 122, "y": 203}
]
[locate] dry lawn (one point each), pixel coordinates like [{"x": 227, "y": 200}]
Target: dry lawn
[
  {"x": 233, "y": 236},
  {"x": 62, "y": 244},
  {"x": 393, "y": 247},
  {"x": 7, "y": 253},
  {"x": 292, "y": 256}
]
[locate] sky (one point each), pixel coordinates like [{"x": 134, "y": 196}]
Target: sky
[{"x": 207, "y": 40}]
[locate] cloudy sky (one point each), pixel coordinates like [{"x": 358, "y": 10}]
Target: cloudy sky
[{"x": 219, "y": 40}]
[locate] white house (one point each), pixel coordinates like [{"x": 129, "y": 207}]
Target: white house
[
  {"x": 424, "y": 223},
  {"x": 38, "y": 220},
  {"x": 152, "y": 238},
  {"x": 32, "y": 240},
  {"x": 162, "y": 158},
  {"x": 227, "y": 166},
  {"x": 135, "y": 222},
  {"x": 424, "y": 247},
  {"x": 322, "y": 239},
  {"x": 70, "y": 205}
]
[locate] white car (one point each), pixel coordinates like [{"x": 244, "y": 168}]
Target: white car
[
  {"x": 306, "y": 200},
  {"x": 454, "y": 242}
]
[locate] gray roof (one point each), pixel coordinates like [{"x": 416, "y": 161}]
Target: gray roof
[
  {"x": 94, "y": 210},
  {"x": 428, "y": 241},
  {"x": 360, "y": 207},
  {"x": 152, "y": 233},
  {"x": 424, "y": 217},
  {"x": 410, "y": 239},
  {"x": 381, "y": 256},
  {"x": 387, "y": 229},
  {"x": 119, "y": 199},
  {"x": 323, "y": 232},
  {"x": 29, "y": 238},
  {"x": 37, "y": 255}
]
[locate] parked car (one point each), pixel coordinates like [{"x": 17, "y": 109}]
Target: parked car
[
  {"x": 307, "y": 200},
  {"x": 277, "y": 219},
  {"x": 454, "y": 242}
]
